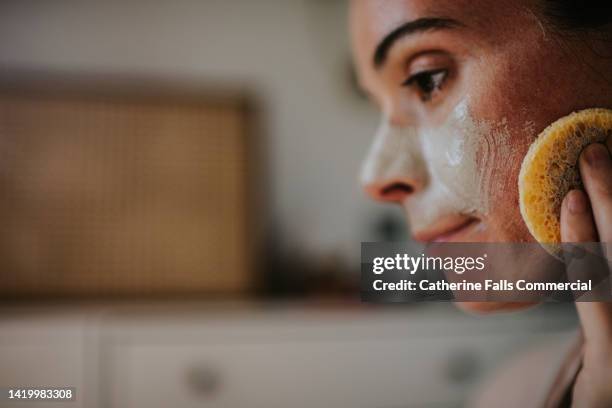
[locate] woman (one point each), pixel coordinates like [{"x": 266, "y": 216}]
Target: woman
[{"x": 474, "y": 81}]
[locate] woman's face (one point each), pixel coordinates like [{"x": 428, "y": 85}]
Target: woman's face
[{"x": 464, "y": 87}]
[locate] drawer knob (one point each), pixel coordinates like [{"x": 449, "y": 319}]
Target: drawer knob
[
  {"x": 462, "y": 366},
  {"x": 204, "y": 380}
]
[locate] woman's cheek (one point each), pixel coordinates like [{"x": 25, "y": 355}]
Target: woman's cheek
[
  {"x": 500, "y": 96},
  {"x": 462, "y": 153},
  {"x": 502, "y": 154},
  {"x": 499, "y": 146}
]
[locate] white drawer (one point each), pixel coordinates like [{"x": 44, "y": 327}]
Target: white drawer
[
  {"x": 43, "y": 352},
  {"x": 328, "y": 367}
]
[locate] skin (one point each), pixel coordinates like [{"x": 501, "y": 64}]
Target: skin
[
  {"x": 586, "y": 216},
  {"x": 512, "y": 68}
]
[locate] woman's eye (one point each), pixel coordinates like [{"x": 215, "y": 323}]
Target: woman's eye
[{"x": 427, "y": 82}]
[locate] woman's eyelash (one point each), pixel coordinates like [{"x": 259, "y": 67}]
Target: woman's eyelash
[{"x": 427, "y": 81}]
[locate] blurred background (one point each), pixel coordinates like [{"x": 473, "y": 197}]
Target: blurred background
[{"x": 182, "y": 219}]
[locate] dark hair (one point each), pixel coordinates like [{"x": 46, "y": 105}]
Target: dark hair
[{"x": 579, "y": 14}]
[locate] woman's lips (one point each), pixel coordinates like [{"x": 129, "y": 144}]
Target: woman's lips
[{"x": 446, "y": 230}]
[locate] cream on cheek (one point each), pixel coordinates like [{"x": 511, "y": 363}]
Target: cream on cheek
[{"x": 451, "y": 165}]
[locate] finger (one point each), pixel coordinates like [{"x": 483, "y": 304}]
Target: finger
[
  {"x": 578, "y": 234},
  {"x": 577, "y": 224},
  {"x": 577, "y": 229},
  {"x": 596, "y": 173}
]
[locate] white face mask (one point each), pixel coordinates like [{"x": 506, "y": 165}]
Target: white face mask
[{"x": 450, "y": 165}]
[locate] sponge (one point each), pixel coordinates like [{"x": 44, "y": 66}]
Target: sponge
[{"x": 550, "y": 170}]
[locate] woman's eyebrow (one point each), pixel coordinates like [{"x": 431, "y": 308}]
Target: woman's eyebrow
[{"x": 408, "y": 28}]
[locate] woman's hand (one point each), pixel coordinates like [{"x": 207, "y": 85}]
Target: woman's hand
[{"x": 586, "y": 216}]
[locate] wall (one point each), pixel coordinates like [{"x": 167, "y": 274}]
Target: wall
[{"x": 293, "y": 53}]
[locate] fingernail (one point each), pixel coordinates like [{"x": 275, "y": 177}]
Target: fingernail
[
  {"x": 597, "y": 155},
  {"x": 576, "y": 202}
]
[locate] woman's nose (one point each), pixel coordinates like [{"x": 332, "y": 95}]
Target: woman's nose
[
  {"x": 392, "y": 190},
  {"x": 394, "y": 168}
]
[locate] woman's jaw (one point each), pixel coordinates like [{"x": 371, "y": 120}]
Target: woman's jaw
[{"x": 466, "y": 229}]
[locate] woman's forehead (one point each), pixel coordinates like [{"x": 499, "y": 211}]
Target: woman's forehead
[
  {"x": 380, "y": 16},
  {"x": 372, "y": 20},
  {"x": 376, "y": 18}
]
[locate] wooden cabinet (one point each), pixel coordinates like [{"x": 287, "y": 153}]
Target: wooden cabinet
[{"x": 121, "y": 193}]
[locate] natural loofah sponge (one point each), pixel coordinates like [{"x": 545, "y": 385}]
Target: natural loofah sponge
[{"x": 550, "y": 169}]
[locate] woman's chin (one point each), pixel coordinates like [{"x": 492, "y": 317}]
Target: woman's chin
[{"x": 493, "y": 307}]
